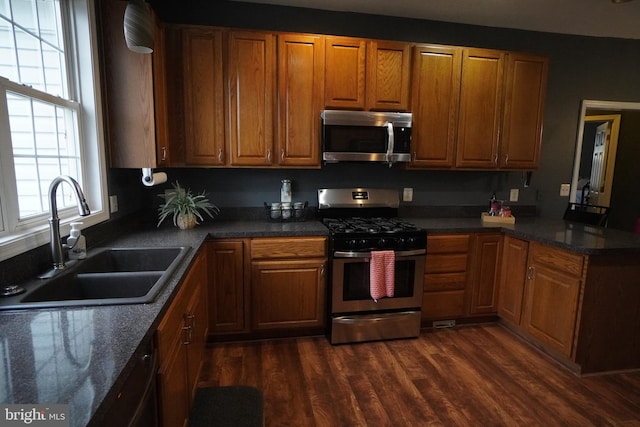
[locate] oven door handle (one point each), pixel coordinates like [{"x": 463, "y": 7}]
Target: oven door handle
[{"x": 399, "y": 254}]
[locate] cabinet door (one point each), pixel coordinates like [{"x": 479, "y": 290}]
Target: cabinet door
[
  {"x": 387, "y": 85},
  {"x": 551, "y": 306},
  {"x": 480, "y": 109},
  {"x": 288, "y": 294},
  {"x": 196, "y": 322},
  {"x": 300, "y": 100},
  {"x": 487, "y": 250},
  {"x": 130, "y": 76},
  {"x": 227, "y": 287},
  {"x": 203, "y": 97},
  {"x": 172, "y": 388},
  {"x": 512, "y": 279},
  {"x": 345, "y": 72},
  {"x": 251, "y": 97},
  {"x": 435, "y": 99},
  {"x": 526, "y": 84}
]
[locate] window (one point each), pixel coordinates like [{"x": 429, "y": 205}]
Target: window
[{"x": 49, "y": 114}]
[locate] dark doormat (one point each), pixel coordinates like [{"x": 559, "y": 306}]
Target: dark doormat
[{"x": 230, "y": 406}]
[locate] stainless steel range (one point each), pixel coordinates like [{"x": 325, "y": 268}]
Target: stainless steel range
[{"x": 377, "y": 265}]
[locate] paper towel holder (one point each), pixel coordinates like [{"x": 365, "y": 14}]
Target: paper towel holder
[{"x": 149, "y": 178}]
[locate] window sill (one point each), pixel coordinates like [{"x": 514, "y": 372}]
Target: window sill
[{"x": 21, "y": 243}]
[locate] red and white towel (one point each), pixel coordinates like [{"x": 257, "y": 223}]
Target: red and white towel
[{"x": 382, "y": 274}]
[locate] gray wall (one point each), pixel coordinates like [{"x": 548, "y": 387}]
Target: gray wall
[{"x": 580, "y": 68}]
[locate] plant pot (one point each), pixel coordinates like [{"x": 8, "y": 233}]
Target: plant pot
[{"x": 186, "y": 221}]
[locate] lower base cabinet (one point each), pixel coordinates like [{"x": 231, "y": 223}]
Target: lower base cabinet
[
  {"x": 446, "y": 276},
  {"x": 266, "y": 287},
  {"x": 180, "y": 339},
  {"x": 288, "y": 283},
  {"x": 461, "y": 276}
]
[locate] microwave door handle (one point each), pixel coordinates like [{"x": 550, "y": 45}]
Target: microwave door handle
[{"x": 390, "y": 142}]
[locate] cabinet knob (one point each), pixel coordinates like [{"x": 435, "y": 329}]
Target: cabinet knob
[
  {"x": 269, "y": 155},
  {"x": 530, "y": 272},
  {"x": 282, "y": 154},
  {"x": 220, "y": 155},
  {"x": 163, "y": 156}
]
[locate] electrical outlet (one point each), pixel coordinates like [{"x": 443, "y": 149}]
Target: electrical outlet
[
  {"x": 514, "y": 194},
  {"x": 565, "y": 189},
  {"x": 407, "y": 195},
  {"x": 113, "y": 204}
]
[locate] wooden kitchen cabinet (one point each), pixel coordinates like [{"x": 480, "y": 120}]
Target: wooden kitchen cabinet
[
  {"x": 367, "y": 74},
  {"x": 180, "y": 339},
  {"x": 251, "y": 97},
  {"x": 480, "y": 108},
  {"x": 345, "y": 75},
  {"x": 288, "y": 283},
  {"x": 135, "y": 95},
  {"x": 512, "y": 279},
  {"x": 300, "y": 99},
  {"x": 435, "y": 88},
  {"x": 446, "y": 276},
  {"x": 203, "y": 96},
  {"x": 388, "y": 71},
  {"x": 228, "y": 286},
  {"x": 552, "y": 290},
  {"x": 485, "y": 273},
  {"x": 525, "y": 89}
]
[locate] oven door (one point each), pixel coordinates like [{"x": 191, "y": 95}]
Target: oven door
[{"x": 351, "y": 284}]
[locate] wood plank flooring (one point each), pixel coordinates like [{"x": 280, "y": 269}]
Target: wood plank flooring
[{"x": 479, "y": 375}]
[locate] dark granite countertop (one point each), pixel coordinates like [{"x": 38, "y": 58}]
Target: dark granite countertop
[
  {"x": 81, "y": 356},
  {"x": 580, "y": 238}
]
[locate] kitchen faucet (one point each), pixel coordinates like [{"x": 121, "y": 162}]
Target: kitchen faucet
[{"x": 57, "y": 247}]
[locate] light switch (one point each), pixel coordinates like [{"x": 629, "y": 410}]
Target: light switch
[
  {"x": 113, "y": 204},
  {"x": 565, "y": 189},
  {"x": 407, "y": 195}
]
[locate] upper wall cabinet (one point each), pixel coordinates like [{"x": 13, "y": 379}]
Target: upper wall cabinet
[
  {"x": 388, "y": 67},
  {"x": 300, "y": 95},
  {"x": 135, "y": 95},
  {"x": 476, "y": 108},
  {"x": 345, "y": 63},
  {"x": 526, "y": 85},
  {"x": 251, "y": 97},
  {"x": 480, "y": 108},
  {"x": 435, "y": 88},
  {"x": 367, "y": 75},
  {"x": 203, "y": 97}
]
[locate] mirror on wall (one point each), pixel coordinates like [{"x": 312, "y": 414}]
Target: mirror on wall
[{"x": 605, "y": 172}]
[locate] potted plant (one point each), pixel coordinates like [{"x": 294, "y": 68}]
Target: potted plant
[{"x": 185, "y": 207}]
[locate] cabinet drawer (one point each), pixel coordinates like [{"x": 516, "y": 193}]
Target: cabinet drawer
[
  {"x": 446, "y": 263},
  {"x": 557, "y": 259},
  {"x": 445, "y": 281},
  {"x": 308, "y": 247},
  {"x": 170, "y": 328},
  {"x": 442, "y": 305},
  {"x": 448, "y": 243}
]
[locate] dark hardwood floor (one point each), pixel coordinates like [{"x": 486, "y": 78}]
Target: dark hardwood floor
[{"x": 479, "y": 375}]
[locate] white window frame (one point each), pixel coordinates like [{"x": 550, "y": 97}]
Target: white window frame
[{"x": 84, "y": 73}]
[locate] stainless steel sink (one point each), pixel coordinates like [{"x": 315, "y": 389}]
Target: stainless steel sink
[{"x": 110, "y": 276}]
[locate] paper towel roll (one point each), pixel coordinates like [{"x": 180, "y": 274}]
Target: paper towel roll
[{"x": 150, "y": 179}]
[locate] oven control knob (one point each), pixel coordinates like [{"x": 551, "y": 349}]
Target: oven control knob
[
  {"x": 411, "y": 240},
  {"x": 362, "y": 243},
  {"x": 352, "y": 243},
  {"x": 400, "y": 242},
  {"x": 382, "y": 243}
]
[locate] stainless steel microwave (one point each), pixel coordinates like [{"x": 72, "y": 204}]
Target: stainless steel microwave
[{"x": 366, "y": 136}]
